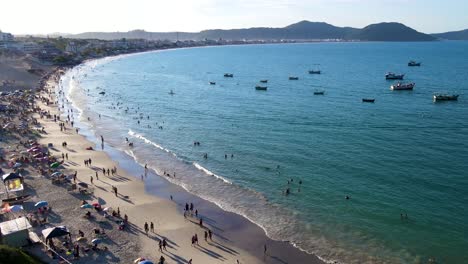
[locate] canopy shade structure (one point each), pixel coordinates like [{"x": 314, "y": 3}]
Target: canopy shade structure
[
  {"x": 11, "y": 176},
  {"x": 13, "y": 182},
  {"x": 57, "y": 231},
  {"x": 15, "y": 232}
]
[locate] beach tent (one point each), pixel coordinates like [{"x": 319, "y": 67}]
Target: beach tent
[
  {"x": 57, "y": 231},
  {"x": 13, "y": 182},
  {"x": 15, "y": 232}
]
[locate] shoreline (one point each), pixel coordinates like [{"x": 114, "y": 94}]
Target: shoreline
[{"x": 252, "y": 237}]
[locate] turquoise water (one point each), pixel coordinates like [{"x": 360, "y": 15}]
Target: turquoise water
[{"x": 402, "y": 154}]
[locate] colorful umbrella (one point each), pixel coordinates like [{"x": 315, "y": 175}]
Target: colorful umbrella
[
  {"x": 41, "y": 204},
  {"x": 86, "y": 206},
  {"x": 96, "y": 241},
  {"x": 56, "y": 174},
  {"x": 16, "y": 208},
  {"x": 145, "y": 262},
  {"x": 96, "y": 204},
  {"x": 55, "y": 164}
]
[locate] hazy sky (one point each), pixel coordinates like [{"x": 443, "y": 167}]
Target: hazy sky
[{"x": 67, "y": 16}]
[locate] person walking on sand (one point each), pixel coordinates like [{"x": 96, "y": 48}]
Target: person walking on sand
[
  {"x": 196, "y": 239},
  {"x": 161, "y": 260},
  {"x": 206, "y": 236},
  {"x": 264, "y": 249},
  {"x": 201, "y": 222},
  {"x": 164, "y": 242},
  {"x": 146, "y": 228},
  {"x": 97, "y": 176},
  {"x": 91, "y": 179},
  {"x": 210, "y": 234},
  {"x": 152, "y": 227},
  {"x": 160, "y": 246}
]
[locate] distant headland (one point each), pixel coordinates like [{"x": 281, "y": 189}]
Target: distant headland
[{"x": 301, "y": 31}]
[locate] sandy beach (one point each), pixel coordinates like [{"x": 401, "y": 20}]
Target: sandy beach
[{"x": 234, "y": 238}]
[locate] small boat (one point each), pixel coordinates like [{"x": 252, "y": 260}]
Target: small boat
[
  {"x": 315, "y": 72},
  {"x": 393, "y": 76},
  {"x": 102, "y": 93},
  {"x": 445, "y": 97},
  {"x": 171, "y": 92},
  {"x": 293, "y": 78},
  {"x": 402, "y": 86},
  {"x": 368, "y": 100},
  {"x": 263, "y": 81},
  {"x": 260, "y": 88},
  {"x": 413, "y": 63},
  {"x": 319, "y": 92},
  {"x": 213, "y": 83},
  {"x": 228, "y": 75}
]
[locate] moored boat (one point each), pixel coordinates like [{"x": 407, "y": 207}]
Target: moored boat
[
  {"x": 402, "y": 86},
  {"x": 368, "y": 100},
  {"x": 319, "y": 92},
  {"x": 260, "y": 88},
  {"x": 263, "y": 81},
  {"x": 315, "y": 72},
  {"x": 171, "y": 92},
  {"x": 293, "y": 78},
  {"x": 413, "y": 63},
  {"x": 393, "y": 76},
  {"x": 229, "y": 75},
  {"x": 212, "y": 83},
  {"x": 445, "y": 97}
]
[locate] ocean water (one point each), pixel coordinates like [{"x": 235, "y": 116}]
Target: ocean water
[{"x": 403, "y": 154}]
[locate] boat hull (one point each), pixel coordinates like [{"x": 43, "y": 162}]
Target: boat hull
[
  {"x": 438, "y": 98},
  {"x": 402, "y": 87}
]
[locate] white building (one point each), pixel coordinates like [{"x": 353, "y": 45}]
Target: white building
[
  {"x": 5, "y": 37},
  {"x": 30, "y": 47}
]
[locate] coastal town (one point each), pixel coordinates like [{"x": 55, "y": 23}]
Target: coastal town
[{"x": 60, "y": 211}]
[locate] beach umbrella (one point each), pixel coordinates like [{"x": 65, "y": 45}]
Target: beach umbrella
[
  {"x": 138, "y": 260},
  {"x": 107, "y": 209},
  {"x": 56, "y": 174},
  {"x": 81, "y": 239},
  {"x": 145, "y": 262},
  {"x": 96, "y": 241},
  {"x": 86, "y": 206},
  {"x": 16, "y": 208},
  {"x": 41, "y": 204},
  {"x": 55, "y": 164},
  {"x": 96, "y": 204},
  {"x": 83, "y": 184}
]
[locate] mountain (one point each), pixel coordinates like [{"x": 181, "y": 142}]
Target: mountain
[
  {"x": 453, "y": 35},
  {"x": 303, "y": 30},
  {"x": 390, "y": 32}
]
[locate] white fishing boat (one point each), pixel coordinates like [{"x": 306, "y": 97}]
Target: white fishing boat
[{"x": 402, "y": 86}]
